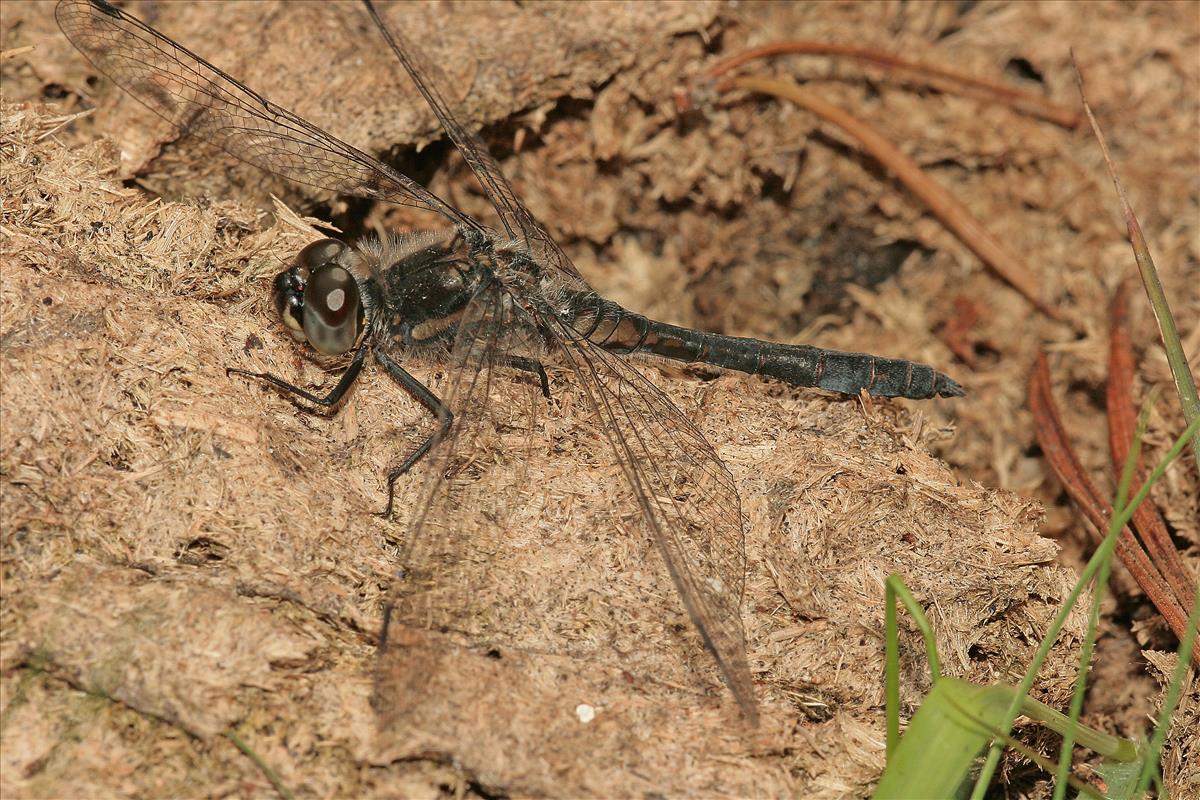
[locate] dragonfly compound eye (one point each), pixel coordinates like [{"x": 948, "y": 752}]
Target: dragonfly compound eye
[
  {"x": 333, "y": 314},
  {"x": 319, "y": 253}
]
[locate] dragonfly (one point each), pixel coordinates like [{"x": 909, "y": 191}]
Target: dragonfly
[{"x": 482, "y": 303}]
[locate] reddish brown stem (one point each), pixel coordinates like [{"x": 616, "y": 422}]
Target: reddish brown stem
[
  {"x": 1056, "y": 446},
  {"x": 943, "y": 79},
  {"x": 957, "y": 334},
  {"x": 940, "y": 202},
  {"x": 1122, "y": 421}
]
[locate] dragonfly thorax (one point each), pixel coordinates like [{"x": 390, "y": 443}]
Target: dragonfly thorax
[{"x": 426, "y": 280}]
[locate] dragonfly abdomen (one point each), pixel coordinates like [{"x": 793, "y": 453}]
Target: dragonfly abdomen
[
  {"x": 619, "y": 330},
  {"x": 798, "y": 365}
]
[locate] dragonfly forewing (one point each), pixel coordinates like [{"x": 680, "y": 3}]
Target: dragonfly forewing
[
  {"x": 516, "y": 219},
  {"x": 199, "y": 99}
]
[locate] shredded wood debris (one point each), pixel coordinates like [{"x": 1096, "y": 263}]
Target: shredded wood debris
[{"x": 187, "y": 554}]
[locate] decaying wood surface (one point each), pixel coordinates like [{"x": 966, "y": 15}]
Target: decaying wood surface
[{"x": 187, "y": 555}]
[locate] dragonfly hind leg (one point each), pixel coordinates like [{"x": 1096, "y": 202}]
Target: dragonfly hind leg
[
  {"x": 431, "y": 401},
  {"x": 530, "y": 365}
]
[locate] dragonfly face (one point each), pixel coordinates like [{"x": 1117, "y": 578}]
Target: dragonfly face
[{"x": 318, "y": 300}]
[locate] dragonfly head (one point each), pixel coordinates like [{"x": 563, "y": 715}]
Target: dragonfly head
[{"x": 318, "y": 299}]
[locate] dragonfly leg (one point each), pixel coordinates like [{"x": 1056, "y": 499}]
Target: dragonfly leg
[
  {"x": 343, "y": 385},
  {"x": 383, "y": 627},
  {"x": 431, "y": 401},
  {"x": 530, "y": 365}
]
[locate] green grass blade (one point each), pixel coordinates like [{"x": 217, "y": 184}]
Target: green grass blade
[
  {"x": 1119, "y": 520},
  {"x": 1085, "y": 652},
  {"x": 954, "y": 723},
  {"x": 1171, "y": 700},
  {"x": 1111, "y": 747},
  {"x": 1185, "y": 383},
  {"x": 894, "y": 589}
]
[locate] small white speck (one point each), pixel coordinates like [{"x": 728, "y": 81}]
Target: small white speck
[
  {"x": 585, "y": 713},
  {"x": 335, "y": 299}
]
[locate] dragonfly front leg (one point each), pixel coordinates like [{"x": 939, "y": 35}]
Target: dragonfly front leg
[
  {"x": 331, "y": 399},
  {"x": 431, "y": 401}
]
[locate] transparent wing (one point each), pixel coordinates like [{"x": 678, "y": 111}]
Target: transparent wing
[
  {"x": 197, "y": 98},
  {"x": 686, "y": 494},
  {"x": 444, "y": 597},
  {"x": 516, "y": 219},
  {"x": 461, "y": 583}
]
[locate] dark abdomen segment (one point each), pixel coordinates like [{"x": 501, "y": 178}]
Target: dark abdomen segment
[
  {"x": 618, "y": 330},
  {"x": 801, "y": 365}
]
